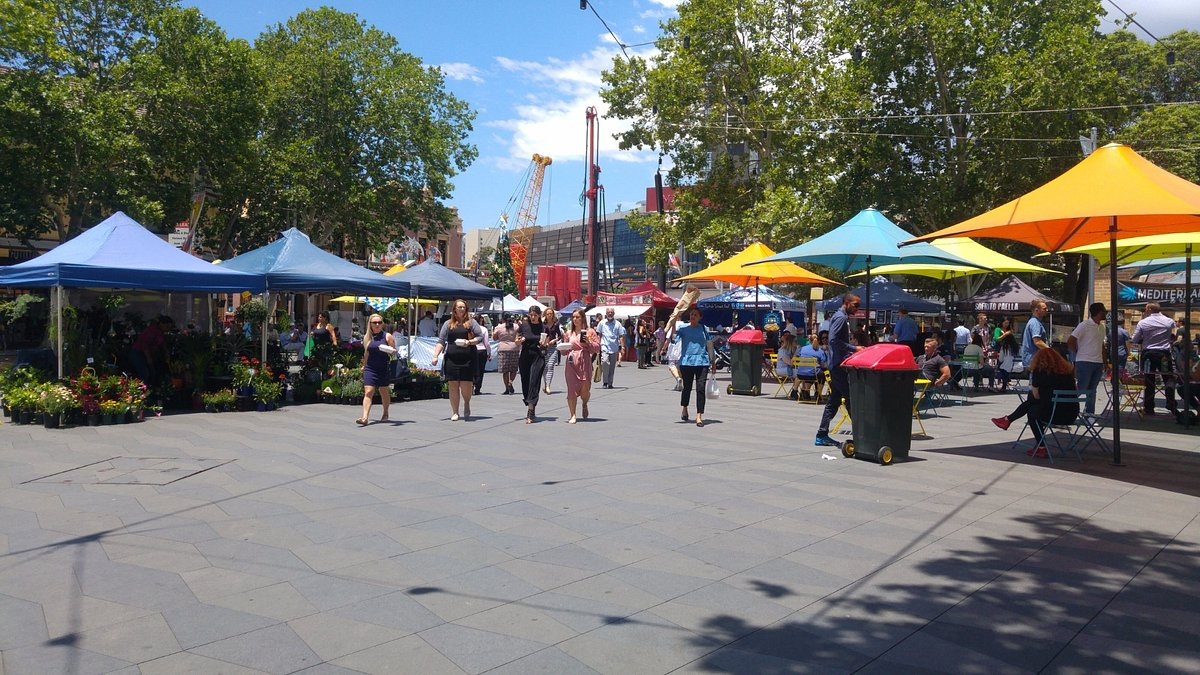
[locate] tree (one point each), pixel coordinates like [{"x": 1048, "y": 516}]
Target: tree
[
  {"x": 502, "y": 270},
  {"x": 359, "y": 140},
  {"x": 726, "y": 97}
]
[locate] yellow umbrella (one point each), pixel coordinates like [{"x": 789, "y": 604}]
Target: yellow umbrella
[
  {"x": 732, "y": 270},
  {"x": 395, "y": 269},
  {"x": 1144, "y": 248},
  {"x": 968, "y": 249},
  {"x": 1113, "y": 194}
]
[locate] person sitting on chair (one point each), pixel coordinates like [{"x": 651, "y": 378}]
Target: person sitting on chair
[
  {"x": 783, "y": 363},
  {"x": 975, "y": 349},
  {"x": 808, "y": 375},
  {"x": 933, "y": 365},
  {"x": 1048, "y": 372}
]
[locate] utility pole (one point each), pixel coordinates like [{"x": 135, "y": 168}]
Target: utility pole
[{"x": 592, "y": 194}]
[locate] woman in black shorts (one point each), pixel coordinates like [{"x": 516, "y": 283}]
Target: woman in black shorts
[{"x": 458, "y": 338}]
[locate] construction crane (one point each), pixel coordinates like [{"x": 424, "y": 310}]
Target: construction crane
[{"x": 521, "y": 235}]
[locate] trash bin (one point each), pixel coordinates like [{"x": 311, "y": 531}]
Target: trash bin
[
  {"x": 745, "y": 362},
  {"x": 881, "y": 400}
]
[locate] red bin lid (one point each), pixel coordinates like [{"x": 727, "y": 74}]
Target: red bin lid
[
  {"x": 882, "y": 357},
  {"x": 748, "y": 336}
]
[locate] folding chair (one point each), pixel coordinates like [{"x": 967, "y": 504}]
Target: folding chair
[
  {"x": 919, "y": 388},
  {"x": 779, "y": 377},
  {"x": 1132, "y": 393},
  {"x": 819, "y": 378},
  {"x": 970, "y": 365},
  {"x": 1073, "y": 431},
  {"x": 845, "y": 411}
]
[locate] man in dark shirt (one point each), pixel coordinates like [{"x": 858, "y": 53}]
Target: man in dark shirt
[
  {"x": 840, "y": 348},
  {"x": 933, "y": 366}
]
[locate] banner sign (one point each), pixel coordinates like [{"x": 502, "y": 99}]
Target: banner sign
[
  {"x": 624, "y": 299},
  {"x": 1133, "y": 293}
]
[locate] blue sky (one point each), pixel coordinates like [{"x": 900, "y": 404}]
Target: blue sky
[{"x": 530, "y": 68}]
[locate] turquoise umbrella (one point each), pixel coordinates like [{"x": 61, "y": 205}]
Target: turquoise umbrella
[{"x": 866, "y": 240}]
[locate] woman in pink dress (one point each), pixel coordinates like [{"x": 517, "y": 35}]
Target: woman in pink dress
[{"x": 578, "y": 366}]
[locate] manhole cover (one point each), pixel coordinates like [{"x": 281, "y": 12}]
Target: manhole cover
[{"x": 133, "y": 471}]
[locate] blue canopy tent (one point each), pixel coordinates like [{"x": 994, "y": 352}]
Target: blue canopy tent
[
  {"x": 294, "y": 263},
  {"x": 120, "y": 253},
  {"x": 753, "y": 299},
  {"x": 868, "y": 239},
  {"x": 433, "y": 280},
  {"x": 887, "y": 296},
  {"x": 571, "y": 307}
]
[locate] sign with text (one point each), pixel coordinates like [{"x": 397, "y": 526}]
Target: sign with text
[{"x": 1134, "y": 293}]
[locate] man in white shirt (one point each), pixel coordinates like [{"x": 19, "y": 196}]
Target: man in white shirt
[
  {"x": 1087, "y": 344},
  {"x": 612, "y": 337},
  {"x": 962, "y": 337},
  {"x": 427, "y": 327}
]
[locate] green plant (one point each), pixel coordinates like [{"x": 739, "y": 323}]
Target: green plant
[
  {"x": 22, "y": 399},
  {"x": 253, "y": 312},
  {"x": 113, "y": 407},
  {"x": 55, "y": 399},
  {"x": 268, "y": 392}
]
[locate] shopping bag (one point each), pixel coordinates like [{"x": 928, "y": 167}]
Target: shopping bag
[
  {"x": 714, "y": 389},
  {"x": 596, "y": 370},
  {"x": 308, "y": 347}
]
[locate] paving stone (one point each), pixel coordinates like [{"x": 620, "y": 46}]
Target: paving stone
[
  {"x": 332, "y": 637},
  {"x": 186, "y": 663},
  {"x": 417, "y": 655},
  {"x": 142, "y": 639},
  {"x": 396, "y": 610},
  {"x": 200, "y": 624},
  {"x": 21, "y": 623},
  {"x": 281, "y": 602},
  {"x": 476, "y": 651},
  {"x": 275, "y": 649}
]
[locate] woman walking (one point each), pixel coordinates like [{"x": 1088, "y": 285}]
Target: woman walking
[
  {"x": 533, "y": 341},
  {"x": 458, "y": 337},
  {"x": 696, "y": 355},
  {"x": 554, "y": 336},
  {"x": 577, "y": 372},
  {"x": 376, "y": 370},
  {"x": 505, "y": 337}
]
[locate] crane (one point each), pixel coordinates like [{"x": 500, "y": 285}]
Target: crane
[{"x": 521, "y": 234}]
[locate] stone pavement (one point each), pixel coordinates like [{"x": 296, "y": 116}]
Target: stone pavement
[{"x": 630, "y": 543}]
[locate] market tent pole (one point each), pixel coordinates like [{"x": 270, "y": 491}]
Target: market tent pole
[
  {"x": 266, "y": 320},
  {"x": 1112, "y": 341},
  {"x": 58, "y": 294},
  {"x": 1187, "y": 338}
]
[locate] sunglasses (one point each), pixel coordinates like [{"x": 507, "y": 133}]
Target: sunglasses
[{"x": 376, "y": 322}]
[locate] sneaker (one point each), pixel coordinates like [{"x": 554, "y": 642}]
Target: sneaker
[
  {"x": 825, "y": 441},
  {"x": 1001, "y": 422}
]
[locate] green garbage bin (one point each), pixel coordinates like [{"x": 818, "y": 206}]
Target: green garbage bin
[
  {"x": 745, "y": 362},
  {"x": 881, "y": 400}
]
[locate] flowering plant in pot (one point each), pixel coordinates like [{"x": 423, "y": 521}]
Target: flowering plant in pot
[
  {"x": 267, "y": 394},
  {"x": 53, "y": 401}
]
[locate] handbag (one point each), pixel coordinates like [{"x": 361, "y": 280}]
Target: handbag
[{"x": 596, "y": 371}]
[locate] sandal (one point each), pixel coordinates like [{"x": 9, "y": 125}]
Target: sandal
[
  {"x": 454, "y": 417},
  {"x": 683, "y": 416},
  {"x": 529, "y": 416},
  {"x": 572, "y": 420},
  {"x": 384, "y": 418},
  {"x": 699, "y": 422},
  {"x": 362, "y": 421}
]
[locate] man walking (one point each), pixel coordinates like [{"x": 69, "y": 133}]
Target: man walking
[
  {"x": 840, "y": 348},
  {"x": 906, "y": 332},
  {"x": 612, "y": 338},
  {"x": 1036, "y": 335},
  {"x": 1156, "y": 333},
  {"x": 1087, "y": 344}
]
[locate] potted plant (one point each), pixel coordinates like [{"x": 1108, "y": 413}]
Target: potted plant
[
  {"x": 267, "y": 394},
  {"x": 87, "y": 390},
  {"x": 109, "y": 410},
  {"x": 23, "y": 401},
  {"x": 212, "y": 401}
]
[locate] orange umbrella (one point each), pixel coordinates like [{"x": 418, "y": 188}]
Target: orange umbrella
[{"x": 1113, "y": 194}]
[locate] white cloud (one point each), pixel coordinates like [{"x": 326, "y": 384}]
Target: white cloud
[
  {"x": 461, "y": 71},
  {"x": 551, "y": 121}
]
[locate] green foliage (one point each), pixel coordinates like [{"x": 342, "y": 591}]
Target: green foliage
[
  {"x": 253, "y": 312},
  {"x": 17, "y": 308},
  {"x": 503, "y": 277},
  {"x": 138, "y": 104}
]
